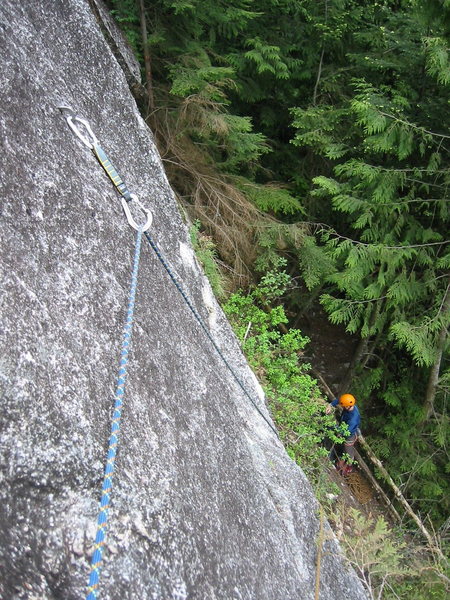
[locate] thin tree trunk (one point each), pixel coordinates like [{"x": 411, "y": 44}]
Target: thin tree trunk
[
  {"x": 434, "y": 374},
  {"x": 361, "y": 349},
  {"x": 401, "y": 498},
  {"x": 319, "y": 73},
  {"x": 371, "y": 351},
  {"x": 376, "y": 485},
  {"x": 147, "y": 57}
]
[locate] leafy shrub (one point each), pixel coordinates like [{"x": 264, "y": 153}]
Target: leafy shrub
[{"x": 275, "y": 355}]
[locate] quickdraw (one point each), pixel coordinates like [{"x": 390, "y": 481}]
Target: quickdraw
[{"x": 90, "y": 141}]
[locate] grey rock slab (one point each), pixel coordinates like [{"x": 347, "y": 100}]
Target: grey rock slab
[{"x": 206, "y": 504}]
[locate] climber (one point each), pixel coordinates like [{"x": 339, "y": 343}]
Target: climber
[{"x": 351, "y": 417}]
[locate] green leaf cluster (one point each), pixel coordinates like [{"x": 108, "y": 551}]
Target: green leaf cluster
[
  {"x": 388, "y": 568},
  {"x": 276, "y": 358},
  {"x": 206, "y": 252}
]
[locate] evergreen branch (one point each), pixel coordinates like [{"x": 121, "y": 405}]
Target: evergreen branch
[
  {"x": 366, "y": 301},
  {"x": 421, "y": 129},
  {"x": 408, "y": 170},
  {"x": 334, "y": 233},
  {"x": 437, "y": 185},
  {"x": 443, "y": 302},
  {"x": 404, "y": 201}
]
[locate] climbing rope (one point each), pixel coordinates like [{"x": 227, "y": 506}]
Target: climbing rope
[
  {"x": 91, "y": 142},
  {"x": 115, "y": 429},
  {"x": 102, "y": 520},
  {"x": 359, "y": 486},
  {"x": 204, "y": 327}
]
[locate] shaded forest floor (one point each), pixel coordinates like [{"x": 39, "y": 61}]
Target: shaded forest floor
[{"x": 331, "y": 348}]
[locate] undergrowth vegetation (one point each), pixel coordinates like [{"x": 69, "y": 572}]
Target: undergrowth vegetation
[
  {"x": 295, "y": 401},
  {"x": 388, "y": 564},
  {"x": 389, "y": 567},
  {"x": 316, "y": 133}
]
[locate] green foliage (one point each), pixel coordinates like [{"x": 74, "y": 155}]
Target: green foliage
[
  {"x": 275, "y": 357},
  {"x": 438, "y": 60},
  {"x": 126, "y": 14},
  {"x": 206, "y": 253},
  {"x": 373, "y": 550},
  {"x": 417, "y": 461},
  {"x": 395, "y": 233},
  {"x": 323, "y": 128},
  {"x": 271, "y": 198},
  {"x": 384, "y": 138},
  {"x": 416, "y": 340},
  {"x": 315, "y": 264},
  {"x": 207, "y": 81},
  {"x": 241, "y": 144},
  {"x": 386, "y": 566},
  {"x": 266, "y": 58}
]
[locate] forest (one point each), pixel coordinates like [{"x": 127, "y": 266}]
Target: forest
[{"x": 307, "y": 142}]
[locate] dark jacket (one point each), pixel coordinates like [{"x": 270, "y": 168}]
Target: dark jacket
[{"x": 351, "y": 417}]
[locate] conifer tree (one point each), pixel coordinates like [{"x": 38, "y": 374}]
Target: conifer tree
[
  {"x": 387, "y": 140},
  {"x": 357, "y": 205}
]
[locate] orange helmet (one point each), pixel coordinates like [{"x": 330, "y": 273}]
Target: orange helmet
[{"x": 347, "y": 400}]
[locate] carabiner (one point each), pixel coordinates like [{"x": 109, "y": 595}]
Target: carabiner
[
  {"x": 129, "y": 216},
  {"x": 72, "y": 119}
]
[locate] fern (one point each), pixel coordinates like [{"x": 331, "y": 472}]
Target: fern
[
  {"x": 415, "y": 340},
  {"x": 438, "y": 59}
]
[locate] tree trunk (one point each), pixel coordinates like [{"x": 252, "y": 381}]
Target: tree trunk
[
  {"x": 319, "y": 73},
  {"x": 361, "y": 349},
  {"x": 371, "y": 350},
  {"x": 319, "y": 70},
  {"x": 147, "y": 57},
  {"x": 433, "y": 546},
  {"x": 434, "y": 374}
]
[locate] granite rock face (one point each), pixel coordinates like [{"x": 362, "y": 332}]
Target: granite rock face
[{"x": 206, "y": 504}]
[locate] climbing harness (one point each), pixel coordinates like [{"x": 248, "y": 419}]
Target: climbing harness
[{"x": 90, "y": 141}]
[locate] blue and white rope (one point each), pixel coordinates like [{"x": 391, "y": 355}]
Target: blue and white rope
[{"x": 102, "y": 520}]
